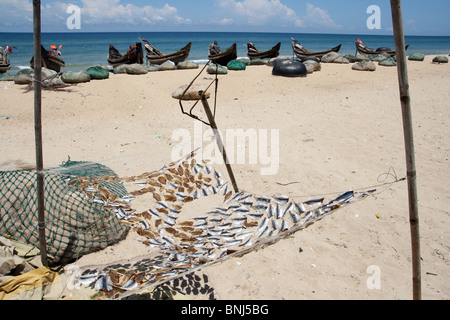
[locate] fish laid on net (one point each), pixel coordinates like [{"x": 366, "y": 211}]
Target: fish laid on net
[{"x": 242, "y": 223}]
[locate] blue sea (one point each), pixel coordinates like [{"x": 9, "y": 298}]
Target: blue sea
[{"x": 81, "y": 50}]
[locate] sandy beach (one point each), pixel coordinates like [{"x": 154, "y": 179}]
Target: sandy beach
[{"x": 339, "y": 130}]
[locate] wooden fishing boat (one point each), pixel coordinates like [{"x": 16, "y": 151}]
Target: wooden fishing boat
[
  {"x": 4, "y": 60},
  {"x": 50, "y": 59},
  {"x": 154, "y": 56},
  {"x": 134, "y": 54},
  {"x": 302, "y": 53},
  {"x": 363, "y": 49},
  {"x": 254, "y": 53},
  {"x": 218, "y": 56}
]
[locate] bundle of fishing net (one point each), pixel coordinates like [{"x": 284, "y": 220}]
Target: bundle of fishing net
[
  {"x": 190, "y": 235},
  {"x": 79, "y": 220}
]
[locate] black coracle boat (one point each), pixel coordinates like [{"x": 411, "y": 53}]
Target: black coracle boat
[
  {"x": 50, "y": 59},
  {"x": 302, "y": 53},
  {"x": 363, "y": 49},
  {"x": 254, "y": 53},
  {"x": 135, "y": 54},
  {"x": 217, "y": 56},
  {"x": 154, "y": 56}
]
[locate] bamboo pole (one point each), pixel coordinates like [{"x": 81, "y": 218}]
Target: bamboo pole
[
  {"x": 38, "y": 129},
  {"x": 402, "y": 69},
  {"x": 213, "y": 125}
]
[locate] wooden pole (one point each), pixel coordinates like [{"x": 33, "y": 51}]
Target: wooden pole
[
  {"x": 38, "y": 129},
  {"x": 409, "y": 144},
  {"x": 213, "y": 125}
]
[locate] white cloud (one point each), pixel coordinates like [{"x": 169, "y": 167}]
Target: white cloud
[
  {"x": 112, "y": 11},
  {"x": 319, "y": 18},
  {"x": 260, "y": 12},
  {"x": 14, "y": 13}
]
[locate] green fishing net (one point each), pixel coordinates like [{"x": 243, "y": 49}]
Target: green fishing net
[{"x": 77, "y": 222}]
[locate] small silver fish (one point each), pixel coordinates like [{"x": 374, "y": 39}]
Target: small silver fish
[
  {"x": 263, "y": 200},
  {"x": 153, "y": 213},
  {"x": 270, "y": 211},
  {"x": 283, "y": 226},
  {"x": 196, "y": 194},
  {"x": 215, "y": 220},
  {"x": 278, "y": 212},
  {"x": 144, "y": 224},
  {"x": 130, "y": 285},
  {"x": 88, "y": 278},
  {"x": 239, "y": 220},
  {"x": 243, "y": 235},
  {"x": 163, "y": 204},
  {"x": 294, "y": 217},
  {"x": 242, "y": 210},
  {"x": 263, "y": 224},
  {"x": 104, "y": 283},
  {"x": 300, "y": 207},
  {"x": 224, "y": 226},
  {"x": 256, "y": 215},
  {"x": 262, "y": 207},
  {"x": 314, "y": 201},
  {"x": 282, "y": 200}
]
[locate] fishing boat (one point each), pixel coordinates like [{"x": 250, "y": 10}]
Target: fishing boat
[
  {"x": 4, "y": 60},
  {"x": 134, "y": 54},
  {"x": 50, "y": 59},
  {"x": 154, "y": 56},
  {"x": 254, "y": 53},
  {"x": 363, "y": 49},
  {"x": 217, "y": 56},
  {"x": 302, "y": 53}
]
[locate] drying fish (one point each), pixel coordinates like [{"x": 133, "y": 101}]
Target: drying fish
[
  {"x": 239, "y": 220},
  {"x": 282, "y": 200},
  {"x": 170, "y": 198},
  {"x": 287, "y": 209},
  {"x": 163, "y": 204},
  {"x": 294, "y": 217},
  {"x": 188, "y": 199},
  {"x": 299, "y": 207},
  {"x": 314, "y": 201},
  {"x": 242, "y": 210},
  {"x": 344, "y": 196},
  {"x": 243, "y": 235},
  {"x": 196, "y": 194},
  {"x": 224, "y": 226},
  {"x": 263, "y": 200},
  {"x": 245, "y": 197},
  {"x": 270, "y": 211},
  {"x": 153, "y": 213},
  {"x": 144, "y": 224},
  {"x": 249, "y": 224},
  {"x": 227, "y": 196},
  {"x": 103, "y": 283},
  {"x": 256, "y": 215},
  {"x": 215, "y": 220},
  {"x": 157, "y": 196},
  {"x": 278, "y": 212},
  {"x": 263, "y": 224},
  {"x": 88, "y": 278},
  {"x": 262, "y": 207}
]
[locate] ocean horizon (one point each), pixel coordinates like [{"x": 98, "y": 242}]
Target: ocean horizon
[{"x": 83, "y": 49}]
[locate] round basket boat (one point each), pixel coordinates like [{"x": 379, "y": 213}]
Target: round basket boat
[{"x": 289, "y": 68}]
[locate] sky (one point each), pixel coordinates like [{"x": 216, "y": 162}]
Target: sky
[{"x": 292, "y": 16}]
